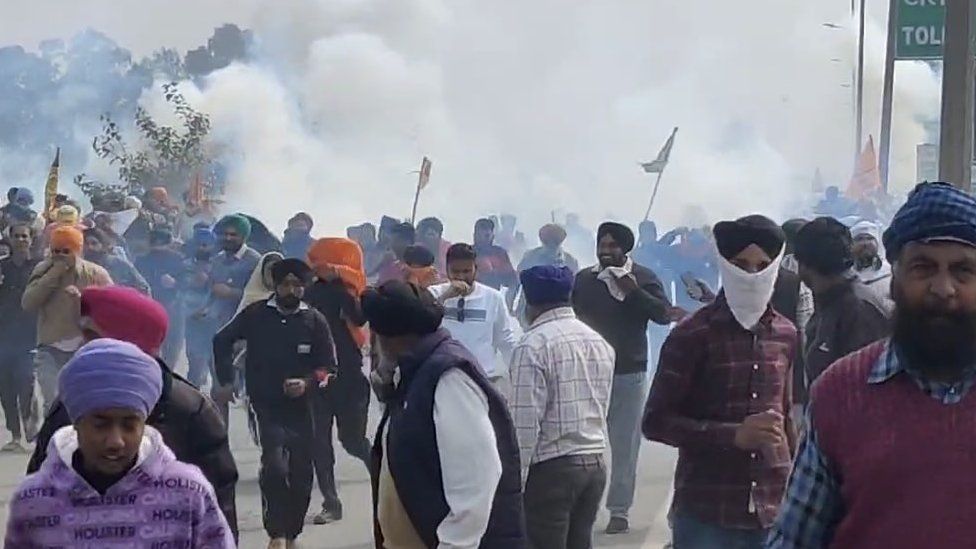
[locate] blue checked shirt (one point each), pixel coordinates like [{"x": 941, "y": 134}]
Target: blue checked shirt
[{"x": 813, "y": 505}]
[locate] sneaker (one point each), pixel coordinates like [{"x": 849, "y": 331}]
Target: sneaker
[
  {"x": 617, "y": 525},
  {"x": 13, "y": 446},
  {"x": 326, "y": 516},
  {"x": 278, "y": 543}
]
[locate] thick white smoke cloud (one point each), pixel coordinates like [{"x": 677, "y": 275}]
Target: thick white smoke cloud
[{"x": 529, "y": 107}]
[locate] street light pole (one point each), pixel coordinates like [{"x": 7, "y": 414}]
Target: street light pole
[
  {"x": 888, "y": 93},
  {"x": 859, "y": 94},
  {"x": 956, "y": 142}
]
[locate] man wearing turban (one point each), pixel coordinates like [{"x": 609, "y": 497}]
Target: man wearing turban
[
  {"x": 618, "y": 298},
  {"x": 338, "y": 266},
  {"x": 738, "y": 351},
  {"x": 190, "y": 424},
  {"x": 562, "y": 461},
  {"x": 446, "y": 458},
  {"x": 54, "y": 294},
  {"x": 899, "y": 413},
  {"x": 109, "y": 455},
  {"x": 290, "y": 356}
]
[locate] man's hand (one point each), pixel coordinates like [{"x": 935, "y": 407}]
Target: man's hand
[
  {"x": 627, "y": 284},
  {"x": 457, "y": 288},
  {"x": 224, "y": 394},
  {"x": 73, "y": 291},
  {"x": 760, "y": 430},
  {"x": 676, "y": 314},
  {"x": 168, "y": 281},
  {"x": 223, "y": 291},
  {"x": 295, "y": 387}
]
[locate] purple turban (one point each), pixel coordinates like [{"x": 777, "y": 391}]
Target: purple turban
[
  {"x": 547, "y": 285},
  {"x": 108, "y": 373}
]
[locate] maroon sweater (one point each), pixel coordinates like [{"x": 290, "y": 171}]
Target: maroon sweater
[{"x": 905, "y": 460}]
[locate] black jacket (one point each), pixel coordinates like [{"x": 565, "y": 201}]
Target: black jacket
[
  {"x": 279, "y": 346},
  {"x": 191, "y": 426},
  {"x": 845, "y": 319},
  {"x": 622, "y": 323},
  {"x": 338, "y": 306}
]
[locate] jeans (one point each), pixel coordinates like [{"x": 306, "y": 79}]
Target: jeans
[
  {"x": 627, "y": 398},
  {"x": 346, "y": 403},
  {"x": 173, "y": 344},
  {"x": 17, "y": 394},
  {"x": 562, "y": 497},
  {"x": 199, "y": 350},
  {"x": 49, "y": 361},
  {"x": 286, "y": 473},
  {"x": 691, "y": 533}
]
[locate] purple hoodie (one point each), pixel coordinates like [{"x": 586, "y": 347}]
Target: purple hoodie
[{"x": 160, "y": 503}]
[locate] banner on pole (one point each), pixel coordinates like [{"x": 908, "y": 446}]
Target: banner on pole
[
  {"x": 425, "y": 166},
  {"x": 658, "y": 164}
]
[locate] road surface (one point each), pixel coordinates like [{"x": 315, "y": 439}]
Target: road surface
[{"x": 648, "y": 527}]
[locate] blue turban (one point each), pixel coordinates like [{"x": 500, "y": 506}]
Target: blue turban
[
  {"x": 24, "y": 196},
  {"x": 204, "y": 235},
  {"x": 108, "y": 373},
  {"x": 547, "y": 285},
  {"x": 933, "y": 211},
  {"x": 238, "y": 221}
]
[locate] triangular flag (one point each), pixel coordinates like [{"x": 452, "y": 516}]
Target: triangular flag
[
  {"x": 51, "y": 188},
  {"x": 866, "y": 180},
  {"x": 658, "y": 164},
  {"x": 818, "y": 182},
  {"x": 425, "y": 166}
]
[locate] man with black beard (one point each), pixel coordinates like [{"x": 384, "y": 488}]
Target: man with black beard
[{"x": 890, "y": 449}]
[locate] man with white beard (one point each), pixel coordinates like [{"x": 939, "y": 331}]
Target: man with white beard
[{"x": 721, "y": 395}]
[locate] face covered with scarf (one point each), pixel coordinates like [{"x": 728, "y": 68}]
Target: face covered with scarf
[{"x": 750, "y": 250}]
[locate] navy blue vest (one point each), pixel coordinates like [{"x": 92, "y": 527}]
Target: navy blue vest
[{"x": 412, "y": 446}]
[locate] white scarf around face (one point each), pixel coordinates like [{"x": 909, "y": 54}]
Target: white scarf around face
[
  {"x": 610, "y": 275},
  {"x": 748, "y": 294}
]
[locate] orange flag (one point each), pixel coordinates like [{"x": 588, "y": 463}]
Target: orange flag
[{"x": 866, "y": 180}]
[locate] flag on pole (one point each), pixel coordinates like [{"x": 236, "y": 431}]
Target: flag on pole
[
  {"x": 425, "y": 166},
  {"x": 658, "y": 164},
  {"x": 866, "y": 180},
  {"x": 51, "y": 188},
  {"x": 195, "y": 194}
]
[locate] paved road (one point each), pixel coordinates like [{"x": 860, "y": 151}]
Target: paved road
[{"x": 354, "y": 532}]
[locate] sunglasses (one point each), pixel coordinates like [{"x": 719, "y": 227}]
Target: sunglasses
[{"x": 460, "y": 310}]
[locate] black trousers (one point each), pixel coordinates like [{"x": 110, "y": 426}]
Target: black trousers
[
  {"x": 562, "y": 497},
  {"x": 17, "y": 392},
  {"x": 345, "y": 403},
  {"x": 285, "y": 477}
]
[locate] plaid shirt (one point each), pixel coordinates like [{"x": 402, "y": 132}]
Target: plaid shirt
[
  {"x": 562, "y": 372},
  {"x": 813, "y": 506},
  {"x": 712, "y": 375}
]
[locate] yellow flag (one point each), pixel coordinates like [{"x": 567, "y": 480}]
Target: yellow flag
[{"x": 51, "y": 189}]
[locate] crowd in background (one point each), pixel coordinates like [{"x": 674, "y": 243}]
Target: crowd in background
[{"x": 506, "y": 371}]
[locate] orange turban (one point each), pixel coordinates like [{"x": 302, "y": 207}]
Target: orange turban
[
  {"x": 345, "y": 258},
  {"x": 67, "y": 237}
]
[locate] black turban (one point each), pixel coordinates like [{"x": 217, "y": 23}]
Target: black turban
[
  {"x": 621, "y": 235},
  {"x": 397, "y": 308},
  {"x": 824, "y": 245},
  {"x": 732, "y": 237},
  {"x": 418, "y": 256},
  {"x": 291, "y": 266}
]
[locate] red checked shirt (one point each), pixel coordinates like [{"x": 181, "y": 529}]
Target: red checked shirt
[{"x": 712, "y": 374}]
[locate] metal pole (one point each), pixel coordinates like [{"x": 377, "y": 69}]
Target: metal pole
[
  {"x": 647, "y": 214},
  {"x": 887, "y": 95},
  {"x": 859, "y": 98},
  {"x": 956, "y": 143}
]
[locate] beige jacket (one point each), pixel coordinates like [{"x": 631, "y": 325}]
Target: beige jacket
[{"x": 58, "y": 312}]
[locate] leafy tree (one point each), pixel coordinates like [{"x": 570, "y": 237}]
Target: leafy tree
[{"x": 165, "y": 157}]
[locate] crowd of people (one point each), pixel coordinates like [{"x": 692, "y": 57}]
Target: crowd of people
[{"x": 813, "y": 374}]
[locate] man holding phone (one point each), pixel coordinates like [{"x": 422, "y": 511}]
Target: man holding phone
[{"x": 290, "y": 355}]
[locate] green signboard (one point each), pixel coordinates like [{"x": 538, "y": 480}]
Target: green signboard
[{"x": 921, "y": 29}]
